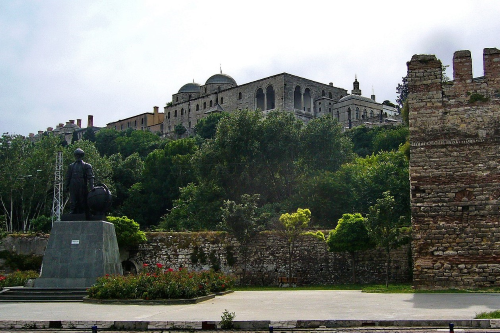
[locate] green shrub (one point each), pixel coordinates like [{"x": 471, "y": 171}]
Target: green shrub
[
  {"x": 18, "y": 278},
  {"x": 155, "y": 283},
  {"x": 23, "y": 262},
  {"x": 42, "y": 223},
  {"x": 227, "y": 320},
  {"x": 127, "y": 231}
]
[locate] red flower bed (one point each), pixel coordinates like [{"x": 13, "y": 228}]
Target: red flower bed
[{"x": 159, "y": 284}]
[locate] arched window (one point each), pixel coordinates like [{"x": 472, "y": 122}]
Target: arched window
[
  {"x": 210, "y": 103},
  {"x": 189, "y": 96},
  {"x": 330, "y": 95},
  {"x": 371, "y": 113},
  {"x": 297, "y": 98},
  {"x": 323, "y": 93},
  {"x": 239, "y": 95},
  {"x": 222, "y": 100},
  {"x": 357, "y": 113},
  {"x": 365, "y": 114},
  {"x": 204, "y": 105},
  {"x": 197, "y": 107},
  {"x": 338, "y": 115},
  {"x": 182, "y": 111},
  {"x": 216, "y": 100},
  {"x": 270, "y": 98},
  {"x": 349, "y": 113},
  {"x": 259, "y": 99},
  {"x": 175, "y": 113},
  {"x": 168, "y": 115},
  {"x": 177, "y": 98},
  {"x": 307, "y": 100}
]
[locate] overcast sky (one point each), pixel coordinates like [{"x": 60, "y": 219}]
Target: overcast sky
[{"x": 62, "y": 60}]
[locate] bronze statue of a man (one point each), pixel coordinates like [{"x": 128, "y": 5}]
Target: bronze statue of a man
[{"x": 78, "y": 180}]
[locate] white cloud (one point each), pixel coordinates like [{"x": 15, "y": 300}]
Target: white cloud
[{"x": 64, "y": 60}]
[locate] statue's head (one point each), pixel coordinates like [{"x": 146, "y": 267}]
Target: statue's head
[{"x": 79, "y": 153}]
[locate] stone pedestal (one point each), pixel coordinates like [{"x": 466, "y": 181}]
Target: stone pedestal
[{"x": 78, "y": 252}]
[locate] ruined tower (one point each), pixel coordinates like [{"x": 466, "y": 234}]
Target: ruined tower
[{"x": 455, "y": 172}]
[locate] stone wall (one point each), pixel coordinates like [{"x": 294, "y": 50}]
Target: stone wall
[
  {"x": 267, "y": 258},
  {"x": 455, "y": 172}
]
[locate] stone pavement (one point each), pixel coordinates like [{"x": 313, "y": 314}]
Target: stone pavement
[{"x": 257, "y": 310}]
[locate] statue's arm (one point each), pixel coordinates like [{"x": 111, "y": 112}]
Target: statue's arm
[{"x": 90, "y": 175}]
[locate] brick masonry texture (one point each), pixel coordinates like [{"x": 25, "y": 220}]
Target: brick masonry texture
[{"x": 455, "y": 172}]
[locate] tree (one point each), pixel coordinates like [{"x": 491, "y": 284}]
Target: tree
[
  {"x": 89, "y": 134},
  {"x": 386, "y": 227},
  {"x": 252, "y": 154},
  {"x": 293, "y": 226},
  {"x": 136, "y": 141},
  {"x": 179, "y": 129},
  {"x": 127, "y": 230},
  {"x": 390, "y": 139},
  {"x": 26, "y": 179},
  {"x": 126, "y": 172},
  {"x": 402, "y": 90},
  {"x": 350, "y": 236},
  {"x": 207, "y": 127},
  {"x": 355, "y": 187},
  {"x": 323, "y": 146},
  {"x": 242, "y": 221},
  {"x": 405, "y": 114},
  {"x": 105, "y": 141},
  {"x": 165, "y": 171},
  {"x": 197, "y": 208},
  {"x": 388, "y": 103}
]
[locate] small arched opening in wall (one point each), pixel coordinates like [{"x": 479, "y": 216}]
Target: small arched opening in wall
[
  {"x": 129, "y": 267},
  {"x": 297, "y": 98},
  {"x": 259, "y": 99},
  {"x": 270, "y": 97},
  {"x": 307, "y": 100}
]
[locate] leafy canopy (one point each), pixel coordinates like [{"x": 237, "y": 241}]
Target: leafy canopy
[{"x": 350, "y": 235}]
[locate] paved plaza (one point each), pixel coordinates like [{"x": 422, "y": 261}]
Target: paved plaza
[{"x": 278, "y": 307}]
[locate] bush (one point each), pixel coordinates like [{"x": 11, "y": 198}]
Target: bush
[
  {"x": 159, "y": 284},
  {"x": 127, "y": 231},
  {"x": 41, "y": 223},
  {"x": 18, "y": 278},
  {"x": 23, "y": 262}
]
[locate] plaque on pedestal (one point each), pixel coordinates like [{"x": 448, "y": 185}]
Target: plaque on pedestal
[{"x": 78, "y": 252}]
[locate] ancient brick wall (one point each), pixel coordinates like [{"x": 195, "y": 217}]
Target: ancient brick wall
[
  {"x": 455, "y": 172},
  {"x": 268, "y": 258}
]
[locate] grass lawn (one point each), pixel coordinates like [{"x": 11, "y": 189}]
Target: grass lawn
[
  {"x": 489, "y": 315},
  {"x": 367, "y": 288}
]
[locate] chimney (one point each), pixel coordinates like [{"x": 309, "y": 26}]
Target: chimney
[
  {"x": 156, "y": 118},
  {"x": 331, "y": 84},
  {"x": 49, "y": 129},
  {"x": 90, "y": 122},
  {"x": 79, "y": 123},
  {"x": 60, "y": 125},
  {"x": 40, "y": 132},
  {"x": 72, "y": 121},
  {"x": 373, "y": 97}
]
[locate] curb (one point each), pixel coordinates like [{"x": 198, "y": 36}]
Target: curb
[{"x": 244, "y": 325}]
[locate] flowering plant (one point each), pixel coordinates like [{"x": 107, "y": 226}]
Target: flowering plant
[
  {"x": 17, "y": 278},
  {"x": 160, "y": 284}
]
